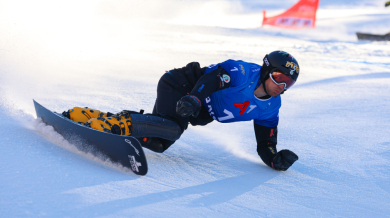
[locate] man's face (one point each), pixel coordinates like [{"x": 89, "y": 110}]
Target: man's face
[{"x": 272, "y": 88}]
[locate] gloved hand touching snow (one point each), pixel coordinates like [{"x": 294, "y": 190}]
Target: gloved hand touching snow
[{"x": 283, "y": 160}]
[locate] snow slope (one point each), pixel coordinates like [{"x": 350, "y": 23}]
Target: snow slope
[{"x": 109, "y": 55}]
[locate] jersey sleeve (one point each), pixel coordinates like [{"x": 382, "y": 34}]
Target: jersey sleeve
[
  {"x": 215, "y": 80},
  {"x": 269, "y": 119},
  {"x": 269, "y": 122},
  {"x": 236, "y": 71},
  {"x": 237, "y": 77}
]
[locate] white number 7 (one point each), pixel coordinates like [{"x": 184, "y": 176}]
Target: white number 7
[{"x": 229, "y": 115}]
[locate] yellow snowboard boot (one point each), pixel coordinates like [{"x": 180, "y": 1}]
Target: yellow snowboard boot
[
  {"x": 120, "y": 125},
  {"x": 82, "y": 115}
]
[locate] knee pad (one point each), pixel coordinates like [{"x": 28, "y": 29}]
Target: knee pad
[
  {"x": 119, "y": 125},
  {"x": 82, "y": 115}
]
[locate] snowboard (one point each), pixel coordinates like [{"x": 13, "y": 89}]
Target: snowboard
[
  {"x": 365, "y": 36},
  {"x": 125, "y": 150}
]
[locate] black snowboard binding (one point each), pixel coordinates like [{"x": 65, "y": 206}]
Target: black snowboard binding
[{"x": 158, "y": 145}]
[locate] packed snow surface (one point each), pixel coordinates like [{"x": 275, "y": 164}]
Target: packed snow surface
[{"x": 109, "y": 55}]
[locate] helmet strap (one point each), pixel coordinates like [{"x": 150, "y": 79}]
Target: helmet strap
[{"x": 264, "y": 88}]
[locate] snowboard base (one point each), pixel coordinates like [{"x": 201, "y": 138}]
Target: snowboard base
[{"x": 125, "y": 150}]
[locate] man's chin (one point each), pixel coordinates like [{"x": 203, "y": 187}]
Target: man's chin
[{"x": 275, "y": 94}]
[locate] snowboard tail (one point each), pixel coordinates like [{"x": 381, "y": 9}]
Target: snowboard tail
[{"x": 125, "y": 150}]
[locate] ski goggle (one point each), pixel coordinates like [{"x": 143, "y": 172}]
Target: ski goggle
[{"x": 281, "y": 79}]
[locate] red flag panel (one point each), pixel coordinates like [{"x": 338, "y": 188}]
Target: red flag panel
[{"x": 300, "y": 15}]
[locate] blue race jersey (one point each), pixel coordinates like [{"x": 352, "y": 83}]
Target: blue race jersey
[{"x": 238, "y": 102}]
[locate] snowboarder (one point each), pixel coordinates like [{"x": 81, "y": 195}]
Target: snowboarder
[{"x": 230, "y": 91}]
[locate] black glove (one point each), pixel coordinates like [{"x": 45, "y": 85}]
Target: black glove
[
  {"x": 283, "y": 160},
  {"x": 387, "y": 3},
  {"x": 188, "y": 105}
]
